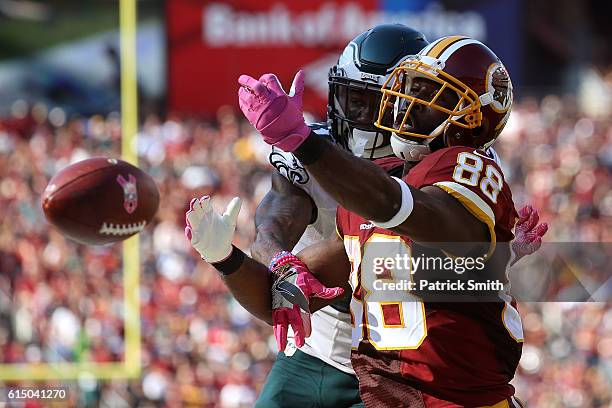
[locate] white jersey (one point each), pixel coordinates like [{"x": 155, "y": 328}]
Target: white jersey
[{"x": 330, "y": 340}]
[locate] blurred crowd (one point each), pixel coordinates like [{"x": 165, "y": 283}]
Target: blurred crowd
[{"x": 63, "y": 302}]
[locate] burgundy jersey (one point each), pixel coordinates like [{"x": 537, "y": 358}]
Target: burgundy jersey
[{"x": 413, "y": 352}]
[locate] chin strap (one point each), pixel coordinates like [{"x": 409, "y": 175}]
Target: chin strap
[
  {"x": 362, "y": 144},
  {"x": 409, "y": 150},
  {"x": 378, "y": 152}
]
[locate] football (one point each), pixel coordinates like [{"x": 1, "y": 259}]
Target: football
[{"x": 100, "y": 200}]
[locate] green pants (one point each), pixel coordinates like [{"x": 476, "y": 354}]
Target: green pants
[{"x": 305, "y": 381}]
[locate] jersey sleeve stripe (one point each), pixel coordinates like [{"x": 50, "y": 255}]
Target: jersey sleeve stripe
[
  {"x": 338, "y": 232},
  {"x": 337, "y": 225},
  {"x": 474, "y": 205},
  {"x": 493, "y": 154}
]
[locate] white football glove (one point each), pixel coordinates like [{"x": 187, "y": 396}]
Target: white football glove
[{"x": 210, "y": 233}]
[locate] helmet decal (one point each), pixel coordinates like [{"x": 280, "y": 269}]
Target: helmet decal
[{"x": 500, "y": 87}]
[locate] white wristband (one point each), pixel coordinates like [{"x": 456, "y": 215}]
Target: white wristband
[{"x": 405, "y": 209}]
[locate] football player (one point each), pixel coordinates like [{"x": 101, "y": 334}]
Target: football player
[
  {"x": 297, "y": 213},
  {"x": 449, "y": 104}
]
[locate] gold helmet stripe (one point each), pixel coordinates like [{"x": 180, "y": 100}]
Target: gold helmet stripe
[
  {"x": 441, "y": 45},
  {"x": 454, "y": 47}
]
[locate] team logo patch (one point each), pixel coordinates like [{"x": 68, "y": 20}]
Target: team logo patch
[
  {"x": 288, "y": 166},
  {"x": 130, "y": 193},
  {"x": 500, "y": 87}
]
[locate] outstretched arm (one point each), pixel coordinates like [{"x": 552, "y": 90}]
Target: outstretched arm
[
  {"x": 250, "y": 285},
  {"x": 249, "y": 281},
  {"x": 356, "y": 184},
  {"x": 349, "y": 180},
  {"x": 211, "y": 235},
  {"x": 281, "y": 219}
]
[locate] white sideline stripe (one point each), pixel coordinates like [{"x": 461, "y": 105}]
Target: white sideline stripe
[{"x": 121, "y": 229}]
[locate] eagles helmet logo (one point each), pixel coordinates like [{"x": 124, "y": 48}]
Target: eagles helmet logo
[
  {"x": 288, "y": 166},
  {"x": 500, "y": 87}
]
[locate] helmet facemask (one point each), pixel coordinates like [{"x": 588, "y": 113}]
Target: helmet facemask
[
  {"x": 398, "y": 97},
  {"x": 353, "y": 109},
  {"x": 355, "y": 82}
]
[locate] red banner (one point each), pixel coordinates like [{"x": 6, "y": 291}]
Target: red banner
[{"x": 210, "y": 43}]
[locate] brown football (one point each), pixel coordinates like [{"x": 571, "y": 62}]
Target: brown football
[{"x": 100, "y": 200}]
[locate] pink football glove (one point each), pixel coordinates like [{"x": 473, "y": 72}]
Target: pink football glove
[
  {"x": 276, "y": 115},
  {"x": 299, "y": 321},
  {"x": 528, "y": 233},
  {"x": 293, "y": 286}
]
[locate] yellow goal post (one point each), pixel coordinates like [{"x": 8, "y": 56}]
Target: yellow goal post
[{"x": 130, "y": 366}]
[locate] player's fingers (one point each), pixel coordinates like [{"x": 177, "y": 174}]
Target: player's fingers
[
  {"x": 534, "y": 219},
  {"x": 247, "y": 81},
  {"x": 280, "y": 334},
  {"x": 297, "y": 86},
  {"x": 193, "y": 218},
  {"x": 245, "y": 99},
  {"x": 188, "y": 233},
  {"x": 317, "y": 289},
  {"x": 272, "y": 83},
  {"x": 523, "y": 215},
  {"x": 187, "y": 222},
  {"x": 233, "y": 209},
  {"x": 252, "y": 85},
  {"x": 528, "y": 223},
  {"x": 205, "y": 203},
  {"x": 541, "y": 229},
  {"x": 192, "y": 203},
  {"x": 306, "y": 323},
  {"x": 329, "y": 293},
  {"x": 295, "y": 319},
  {"x": 279, "y": 318}
]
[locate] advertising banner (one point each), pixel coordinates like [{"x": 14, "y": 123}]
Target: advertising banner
[{"x": 210, "y": 43}]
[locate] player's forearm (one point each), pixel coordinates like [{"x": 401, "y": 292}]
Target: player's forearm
[
  {"x": 438, "y": 220},
  {"x": 280, "y": 219},
  {"x": 327, "y": 260},
  {"x": 364, "y": 188},
  {"x": 250, "y": 286},
  {"x": 265, "y": 246},
  {"x": 276, "y": 232},
  {"x": 357, "y": 184}
]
